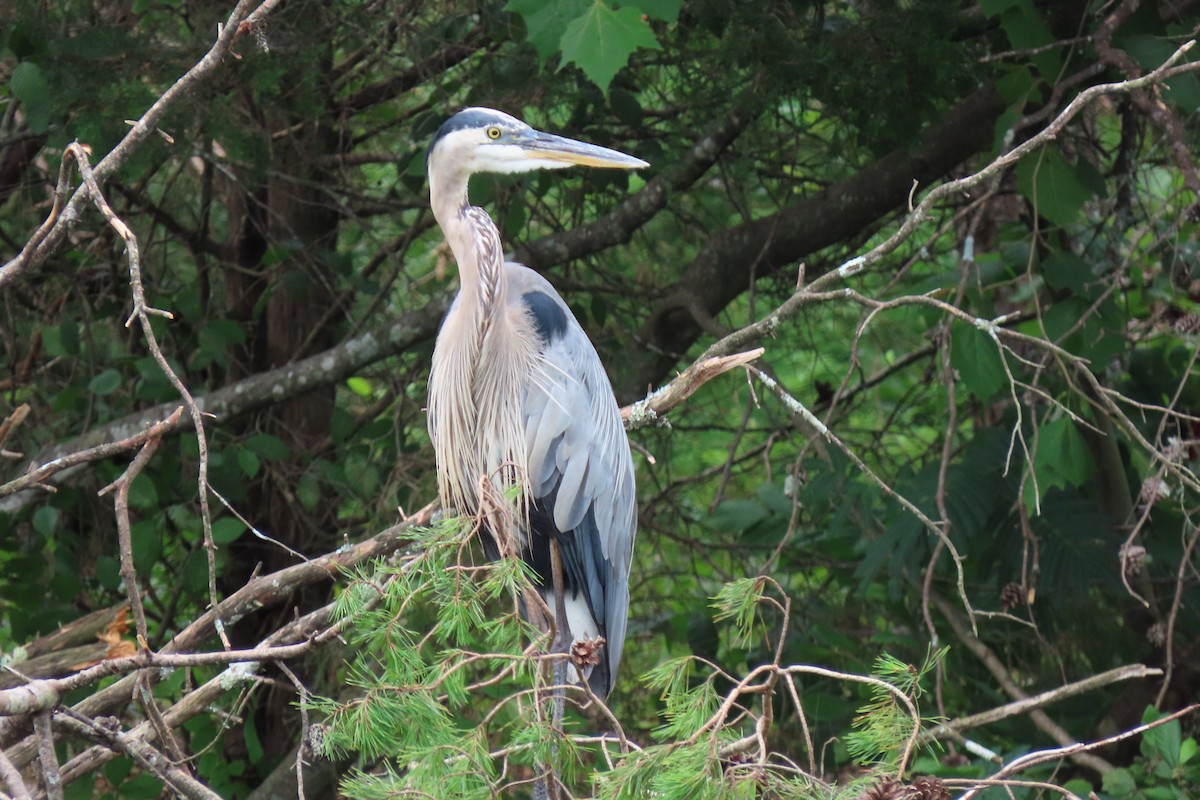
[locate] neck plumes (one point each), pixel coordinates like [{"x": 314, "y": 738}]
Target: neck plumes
[
  {"x": 475, "y": 242},
  {"x": 480, "y": 364}
]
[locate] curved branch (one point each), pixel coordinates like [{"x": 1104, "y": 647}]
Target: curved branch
[
  {"x": 262, "y": 592},
  {"x": 246, "y": 14},
  {"x": 770, "y": 323}
]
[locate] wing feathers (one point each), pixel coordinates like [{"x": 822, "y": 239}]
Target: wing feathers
[{"x": 580, "y": 469}]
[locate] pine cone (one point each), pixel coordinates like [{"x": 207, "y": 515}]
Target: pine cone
[
  {"x": 1133, "y": 559},
  {"x": 1153, "y": 490},
  {"x": 885, "y": 790},
  {"x": 928, "y": 787},
  {"x": 1188, "y": 323},
  {"x": 1011, "y": 596}
]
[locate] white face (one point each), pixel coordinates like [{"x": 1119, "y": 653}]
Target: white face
[
  {"x": 493, "y": 149},
  {"x": 501, "y": 143}
]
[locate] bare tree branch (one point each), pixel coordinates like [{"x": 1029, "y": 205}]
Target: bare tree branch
[
  {"x": 107, "y": 731},
  {"x": 35, "y": 478},
  {"x": 1010, "y": 687},
  {"x": 12, "y": 779},
  {"x": 1127, "y": 673},
  {"x": 260, "y": 593},
  {"x": 54, "y": 230}
]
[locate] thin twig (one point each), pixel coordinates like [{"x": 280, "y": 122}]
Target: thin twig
[
  {"x": 1176, "y": 602},
  {"x": 1127, "y": 673},
  {"x": 302, "y": 691},
  {"x": 107, "y": 732},
  {"x": 1075, "y": 750},
  {"x": 797, "y": 408},
  {"x": 35, "y": 477},
  {"x": 125, "y": 534},
  {"x": 52, "y": 778}
]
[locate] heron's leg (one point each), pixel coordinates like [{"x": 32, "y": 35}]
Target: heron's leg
[
  {"x": 546, "y": 788},
  {"x": 562, "y": 627}
]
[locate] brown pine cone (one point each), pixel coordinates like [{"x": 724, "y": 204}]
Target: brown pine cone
[
  {"x": 1011, "y": 596},
  {"x": 885, "y": 790},
  {"x": 928, "y": 787}
]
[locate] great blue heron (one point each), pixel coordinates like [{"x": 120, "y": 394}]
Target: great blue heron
[{"x": 518, "y": 397}]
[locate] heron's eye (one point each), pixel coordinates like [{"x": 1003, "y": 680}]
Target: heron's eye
[{"x": 493, "y": 133}]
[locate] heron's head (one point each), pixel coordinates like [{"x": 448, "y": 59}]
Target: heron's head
[{"x": 485, "y": 140}]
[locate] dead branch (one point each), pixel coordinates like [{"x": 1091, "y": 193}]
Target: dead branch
[
  {"x": 51, "y": 776},
  {"x": 107, "y": 732},
  {"x": 993, "y": 664},
  {"x": 1126, "y": 673},
  {"x": 125, "y": 535},
  {"x": 767, "y": 325},
  {"x": 262, "y": 592},
  {"x": 36, "y": 477},
  {"x": 52, "y": 232},
  {"x": 1075, "y": 750},
  {"x": 647, "y": 411},
  {"x": 12, "y": 779}
]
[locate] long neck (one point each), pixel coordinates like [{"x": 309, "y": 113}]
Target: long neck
[{"x": 475, "y": 242}]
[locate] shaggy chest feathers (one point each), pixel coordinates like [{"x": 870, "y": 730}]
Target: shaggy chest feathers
[{"x": 481, "y": 369}]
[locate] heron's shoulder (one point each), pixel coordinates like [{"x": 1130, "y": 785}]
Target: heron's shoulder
[
  {"x": 552, "y": 317},
  {"x": 522, "y": 279}
]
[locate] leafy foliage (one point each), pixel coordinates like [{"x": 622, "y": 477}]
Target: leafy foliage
[
  {"x": 1020, "y": 371},
  {"x": 1168, "y": 768}
]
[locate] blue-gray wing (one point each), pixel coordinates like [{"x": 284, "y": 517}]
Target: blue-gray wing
[{"x": 580, "y": 468}]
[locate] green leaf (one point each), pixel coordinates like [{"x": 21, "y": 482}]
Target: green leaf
[
  {"x": 143, "y": 493},
  {"x": 1065, "y": 270},
  {"x": 81, "y": 789},
  {"x": 1187, "y": 750},
  {"x": 226, "y": 530},
  {"x": 1079, "y": 786},
  {"x": 147, "y": 542},
  {"x": 68, "y": 333},
  {"x": 665, "y": 10},
  {"x": 254, "y": 748},
  {"x": 735, "y": 516},
  {"x": 1163, "y": 742},
  {"x": 268, "y": 447},
  {"x": 545, "y": 23},
  {"x": 108, "y": 572},
  {"x": 993, "y": 7},
  {"x": 140, "y": 787},
  {"x": 106, "y": 382},
  {"x": 249, "y": 462},
  {"x": 1026, "y": 30},
  {"x": 1056, "y": 189},
  {"x": 308, "y": 491},
  {"x": 977, "y": 359},
  {"x": 360, "y": 386},
  {"x": 1119, "y": 783},
  {"x": 1164, "y": 793},
  {"x": 1062, "y": 455},
  {"x": 32, "y": 89},
  {"x": 45, "y": 520},
  {"x": 601, "y": 41},
  {"x": 118, "y": 770}
]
